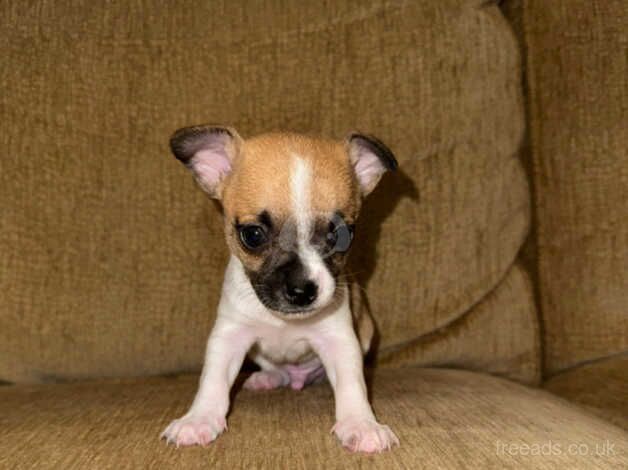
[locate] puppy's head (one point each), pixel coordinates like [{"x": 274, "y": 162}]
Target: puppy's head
[{"x": 290, "y": 204}]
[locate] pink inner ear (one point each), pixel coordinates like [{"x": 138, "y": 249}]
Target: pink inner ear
[
  {"x": 368, "y": 168},
  {"x": 211, "y": 165}
]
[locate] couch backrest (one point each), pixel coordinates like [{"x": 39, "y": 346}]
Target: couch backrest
[
  {"x": 577, "y": 69},
  {"x": 111, "y": 259}
]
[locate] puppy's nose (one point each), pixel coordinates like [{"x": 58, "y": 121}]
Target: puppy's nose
[{"x": 301, "y": 293}]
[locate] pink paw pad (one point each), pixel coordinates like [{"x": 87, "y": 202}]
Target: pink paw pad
[
  {"x": 194, "y": 430},
  {"x": 364, "y": 435}
]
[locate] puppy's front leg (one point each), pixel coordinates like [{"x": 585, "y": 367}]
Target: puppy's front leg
[
  {"x": 356, "y": 426},
  {"x": 206, "y": 418}
]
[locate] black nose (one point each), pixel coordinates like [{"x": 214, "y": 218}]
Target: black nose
[{"x": 301, "y": 293}]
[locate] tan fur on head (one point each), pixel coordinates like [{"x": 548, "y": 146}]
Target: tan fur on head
[
  {"x": 261, "y": 175},
  {"x": 261, "y": 180}
]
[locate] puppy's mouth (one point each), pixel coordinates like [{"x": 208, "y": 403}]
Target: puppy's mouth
[{"x": 294, "y": 303}]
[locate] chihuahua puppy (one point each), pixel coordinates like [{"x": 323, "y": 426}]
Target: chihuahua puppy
[{"x": 290, "y": 203}]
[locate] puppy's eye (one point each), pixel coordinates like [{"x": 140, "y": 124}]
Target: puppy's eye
[
  {"x": 252, "y": 236},
  {"x": 340, "y": 235}
]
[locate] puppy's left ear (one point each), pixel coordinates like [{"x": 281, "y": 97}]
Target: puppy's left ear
[
  {"x": 370, "y": 159},
  {"x": 208, "y": 151}
]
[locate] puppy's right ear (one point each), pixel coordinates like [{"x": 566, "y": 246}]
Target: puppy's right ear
[{"x": 208, "y": 151}]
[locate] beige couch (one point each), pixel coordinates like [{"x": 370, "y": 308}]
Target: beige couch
[{"x": 497, "y": 256}]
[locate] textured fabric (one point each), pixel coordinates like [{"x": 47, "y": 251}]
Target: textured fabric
[
  {"x": 601, "y": 387},
  {"x": 499, "y": 335},
  {"x": 111, "y": 259},
  {"x": 577, "y": 64},
  {"x": 444, "y": 419},
  {"x": 528, "y": 258}
]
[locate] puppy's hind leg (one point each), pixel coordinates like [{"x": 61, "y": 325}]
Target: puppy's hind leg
[{"x": 268, "y": 378}]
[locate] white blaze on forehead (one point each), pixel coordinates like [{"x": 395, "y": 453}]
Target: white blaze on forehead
[
  {"x": 301, "y": 181},
  {"x": 300, "y": 192}
]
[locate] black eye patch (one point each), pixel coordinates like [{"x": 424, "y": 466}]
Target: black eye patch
[
  {"x": 339, "y": 235},
  {"x": 264, "y": 218}
]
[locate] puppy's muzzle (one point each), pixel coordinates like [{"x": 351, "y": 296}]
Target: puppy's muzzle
[{"x": 300, "y": 293}]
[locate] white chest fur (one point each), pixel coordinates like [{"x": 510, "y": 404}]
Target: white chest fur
[
  {"x": 276, "y": 340},
  {"x": 282, "y": 345}
]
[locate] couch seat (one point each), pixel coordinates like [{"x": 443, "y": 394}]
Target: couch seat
[{"x": 444, "y": 418}]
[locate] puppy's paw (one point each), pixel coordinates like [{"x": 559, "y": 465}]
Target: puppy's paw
[
  {"x": 191, "y": 430},
  {"x": 364, "y": 435},
  {"x": 266, "y": 380}
]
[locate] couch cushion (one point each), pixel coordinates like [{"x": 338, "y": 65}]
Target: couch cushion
[
  {"x": 112, "y": 259},
  {"x": 444, "y": 419},
  {"x": 480, "y": 339},
  {"x": 576, "y": 72},
  {"x": 601, "y": 387}
]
